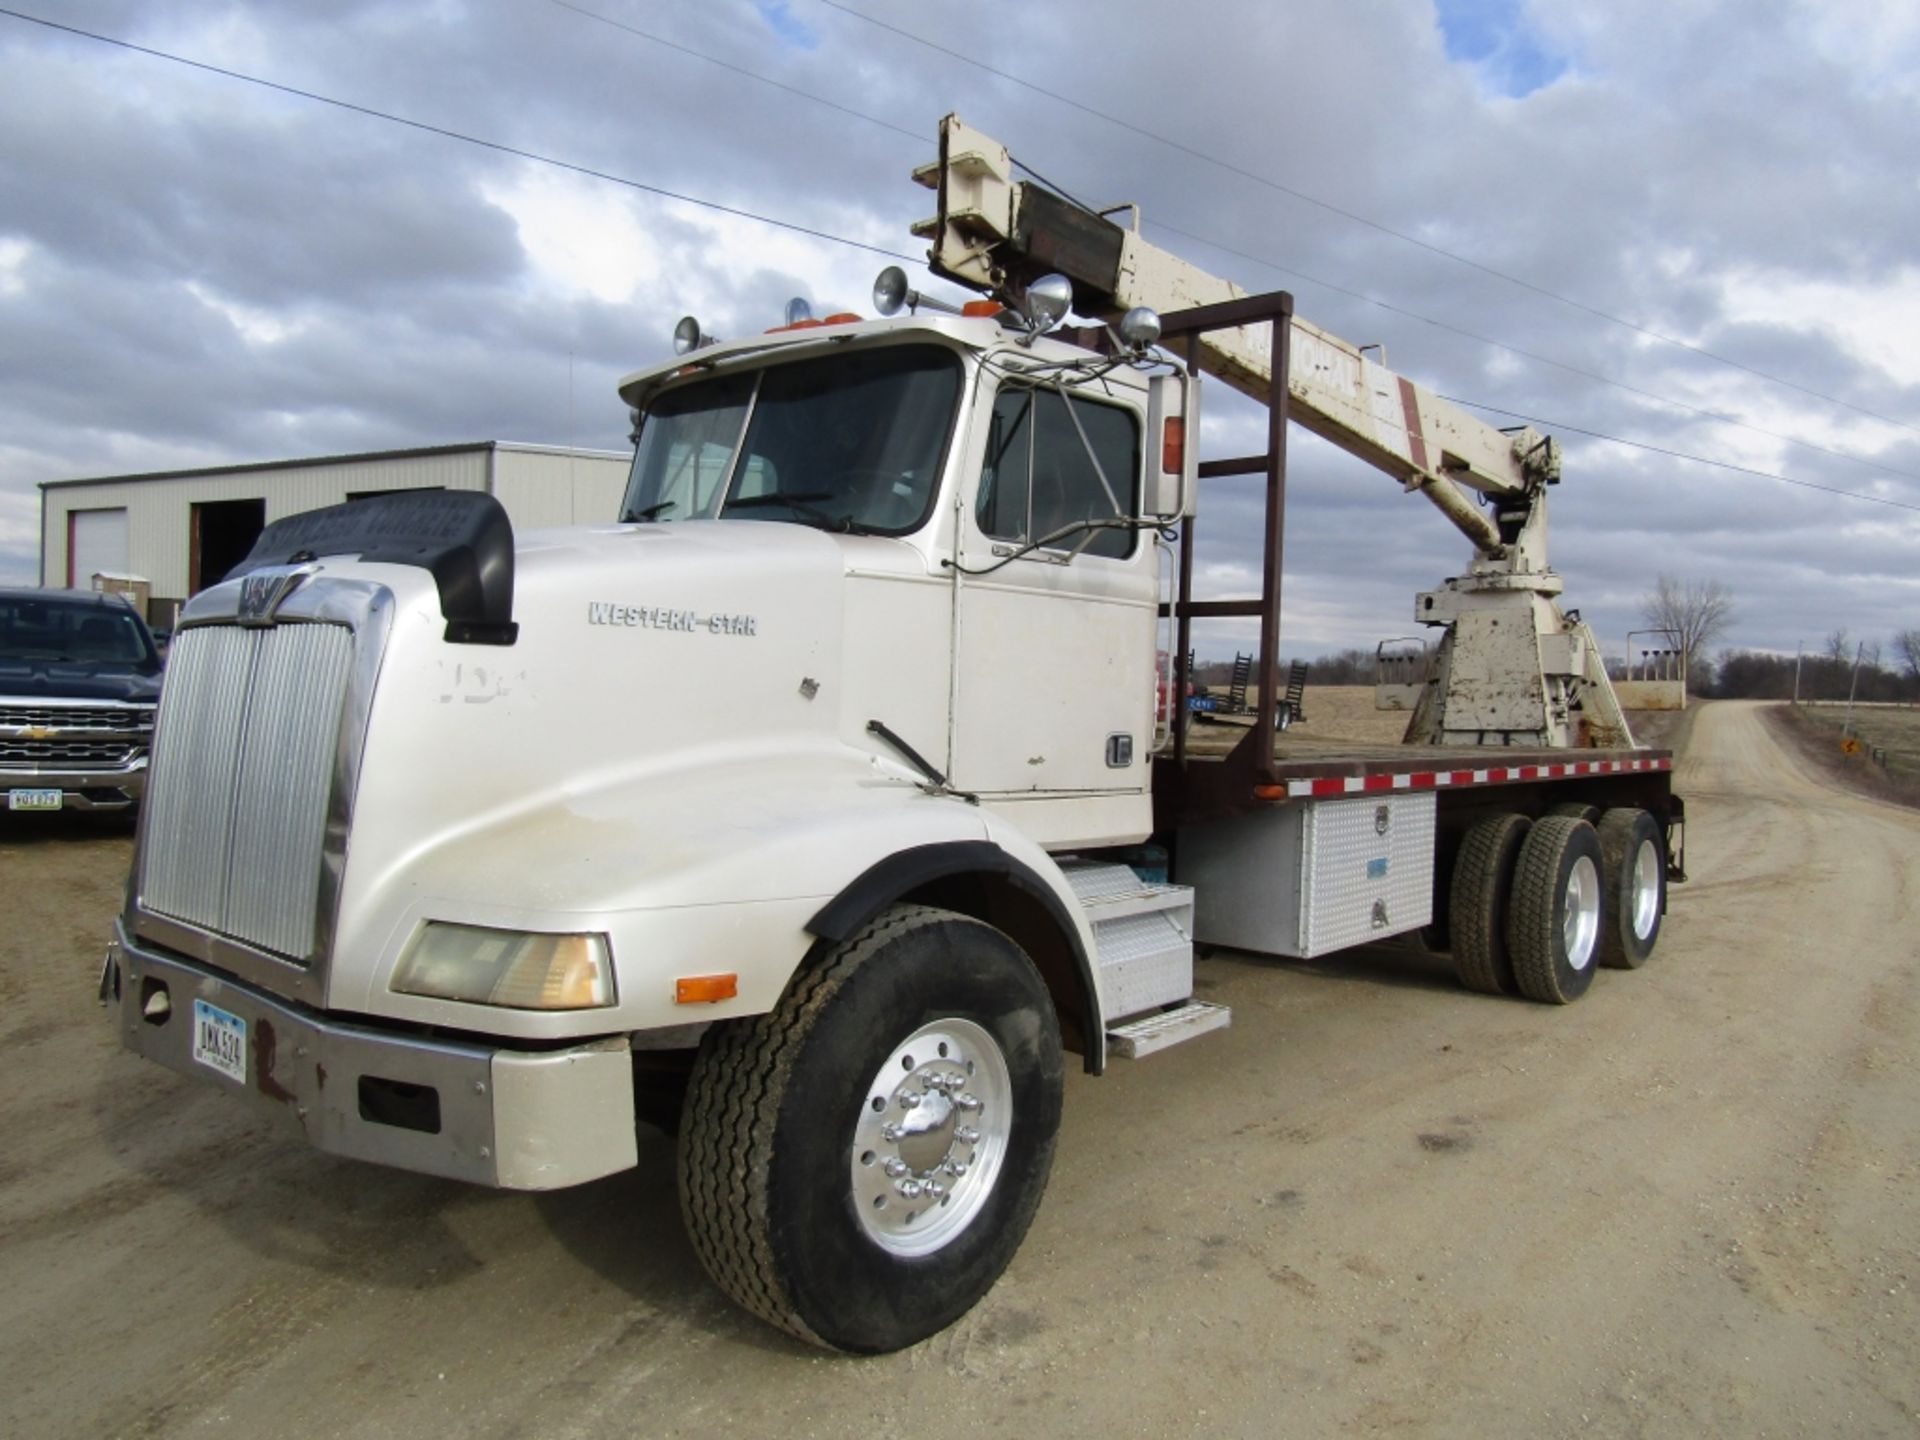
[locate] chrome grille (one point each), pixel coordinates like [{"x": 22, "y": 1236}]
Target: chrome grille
[
  {"x": 242, "y": 770},
  {"x": 108, "y": 719},
  {"x": 79, "y": 754}
]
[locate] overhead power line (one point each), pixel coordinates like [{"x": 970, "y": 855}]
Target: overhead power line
[
  {"x": 1356, "y": 218},
  {"x": 715, "y": 60},
  {"x": 1718, "y": 417},
  {"x": 1562, "y": 427},
  {"x": 450, "y": 134}
]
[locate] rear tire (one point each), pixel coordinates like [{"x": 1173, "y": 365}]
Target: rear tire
[
  {"x": 1589, "y": 813},
  {"x": 1558, "y": 910},
  {"x": 1477, "y": 903},
  {"x": 827, "y": 1180},
  {"x": 1634, "y": 866}
]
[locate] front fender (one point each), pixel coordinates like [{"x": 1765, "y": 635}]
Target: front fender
[
  {"x": 708, "y": 869},
  {"x": 1052, "y": 929}
]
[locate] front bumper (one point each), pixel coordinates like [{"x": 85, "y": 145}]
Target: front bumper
[
  {"x": 115, "y": 789},
  {"x": 513, "y": 1119}
]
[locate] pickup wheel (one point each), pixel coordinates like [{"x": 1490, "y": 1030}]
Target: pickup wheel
[
  {"x": 1477, "y": 903},
  {"x": 859, "y": 1166},
  {"x": 1633, "y": 863},
  {"x": 1556, "y": 915}
]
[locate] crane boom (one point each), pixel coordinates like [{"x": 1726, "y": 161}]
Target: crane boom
[{"x": 996, "y": 234}]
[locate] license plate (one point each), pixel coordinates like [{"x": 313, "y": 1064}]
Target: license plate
[
  {"x": 220, "y": 1040},
  {"x": 35, "y": 799}
]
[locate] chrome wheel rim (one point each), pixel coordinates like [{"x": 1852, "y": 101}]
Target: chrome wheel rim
[
  {"x": 1646, "y": 889},
  {"x": 1581, "y": 926},
  {"x": 932, "y": 1137}
]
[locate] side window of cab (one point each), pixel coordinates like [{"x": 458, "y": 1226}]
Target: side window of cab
[{"x": 1040, "y": 483}]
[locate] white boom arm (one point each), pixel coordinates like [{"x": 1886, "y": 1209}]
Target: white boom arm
[{"x": 995, "y": 234}]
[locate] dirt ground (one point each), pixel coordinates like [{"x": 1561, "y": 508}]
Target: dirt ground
[{"x": 1685, "y": 1206}]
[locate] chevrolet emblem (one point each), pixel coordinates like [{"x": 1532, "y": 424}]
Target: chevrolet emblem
[{"x": 39, "y": 732}]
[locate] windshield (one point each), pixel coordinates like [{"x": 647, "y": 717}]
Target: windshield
[
  {"x": 851, "y": 441},
  {"x": 69, "y": 631}
]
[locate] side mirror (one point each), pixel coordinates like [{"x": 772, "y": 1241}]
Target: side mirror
[{"x": 1172, "y": 489}]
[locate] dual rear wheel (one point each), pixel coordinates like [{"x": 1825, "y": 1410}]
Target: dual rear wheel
[{"x": 1537, "y": 905}]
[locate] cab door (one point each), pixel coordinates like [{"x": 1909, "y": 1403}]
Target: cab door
[{"x": 1054, "y": 622}]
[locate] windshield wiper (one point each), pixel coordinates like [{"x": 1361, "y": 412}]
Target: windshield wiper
[
  {"x": 648, "y": 513},
  {"x": 801, "y": 505},
  {"x": 775, "y": 497}
]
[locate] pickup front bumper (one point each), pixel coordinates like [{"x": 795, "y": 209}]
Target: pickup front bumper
[
  {"x": 118, "y": 788},
  {"x": 513, "y": 1119}
]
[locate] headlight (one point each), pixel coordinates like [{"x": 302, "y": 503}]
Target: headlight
[{"x": 507, "y": 967}]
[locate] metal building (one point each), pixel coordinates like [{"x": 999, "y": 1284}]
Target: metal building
[{"x": 183, "y": 530}]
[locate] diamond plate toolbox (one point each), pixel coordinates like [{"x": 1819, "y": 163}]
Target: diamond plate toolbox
[{"x": 1306, "y": 879}]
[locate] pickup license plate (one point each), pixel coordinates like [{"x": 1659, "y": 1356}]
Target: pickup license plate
[
  {"x": 220, "y": 1040},
  {"x": 35, "y": 799}
]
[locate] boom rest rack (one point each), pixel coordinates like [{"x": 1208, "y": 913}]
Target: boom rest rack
[{"x": 462, "y": 537}]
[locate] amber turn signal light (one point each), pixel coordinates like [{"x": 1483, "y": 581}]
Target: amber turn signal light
[{"x": 705, "y": 989}]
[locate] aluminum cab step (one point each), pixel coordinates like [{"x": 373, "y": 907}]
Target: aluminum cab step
[
  {"x": 1139, "y": 1038},
  {"x": 1142, "y": 934}
]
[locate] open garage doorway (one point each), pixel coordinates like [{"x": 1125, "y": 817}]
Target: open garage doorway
[{"x": 223, "y": 533}]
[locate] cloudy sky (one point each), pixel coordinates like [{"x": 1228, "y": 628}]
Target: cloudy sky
[{"x": 1689, "y": 224}]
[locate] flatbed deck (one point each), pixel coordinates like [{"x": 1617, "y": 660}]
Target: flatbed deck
[{"x": 1315, "y": 766}]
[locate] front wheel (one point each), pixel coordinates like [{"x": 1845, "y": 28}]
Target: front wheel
[{"x": 859, "y": 1165}]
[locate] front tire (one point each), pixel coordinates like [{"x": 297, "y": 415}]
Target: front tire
[{"x": 859, "y": 1165}]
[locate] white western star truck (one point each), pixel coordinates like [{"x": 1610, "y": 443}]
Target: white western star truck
[{"x": 814, "y": 805}]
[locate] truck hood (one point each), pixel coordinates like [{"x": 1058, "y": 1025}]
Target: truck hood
[
  {"x": 70, "y": 680},
  {"x": 650, "y": 661}
]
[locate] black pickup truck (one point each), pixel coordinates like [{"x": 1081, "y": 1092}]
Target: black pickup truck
[{"x": 79, "y": 683}]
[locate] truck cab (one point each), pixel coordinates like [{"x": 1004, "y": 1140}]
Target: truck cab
[{"x": 436, "y": 874}]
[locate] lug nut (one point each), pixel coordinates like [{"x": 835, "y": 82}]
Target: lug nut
[
  {"x": 968, "y": 1102},
  {"x": 890, "y": 1133},
  {"x": 909, "y": 1189},
  {"x": 967, "y": 1135},
  {"x": 909, "y": 1100},
  {"x": 936, "y": 1190},
  {"x": 895, "y": 1169},
  {"x": 956, "y": 1168}
]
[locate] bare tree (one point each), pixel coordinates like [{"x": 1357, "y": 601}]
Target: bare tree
[
  {"x": 1906, "y": 645},
  {"x": 1840, "y": 647},
  {"x": 1696, "y": 611}
]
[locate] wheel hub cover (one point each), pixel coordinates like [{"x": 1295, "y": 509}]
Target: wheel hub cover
[{"x": 931, "y": 1136}]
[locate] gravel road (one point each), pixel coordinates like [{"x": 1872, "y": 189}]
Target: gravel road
[{"x": 1688, "y": 1205}]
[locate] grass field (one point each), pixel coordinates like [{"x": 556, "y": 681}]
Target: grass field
[{"x": 1892, "y": 730}]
